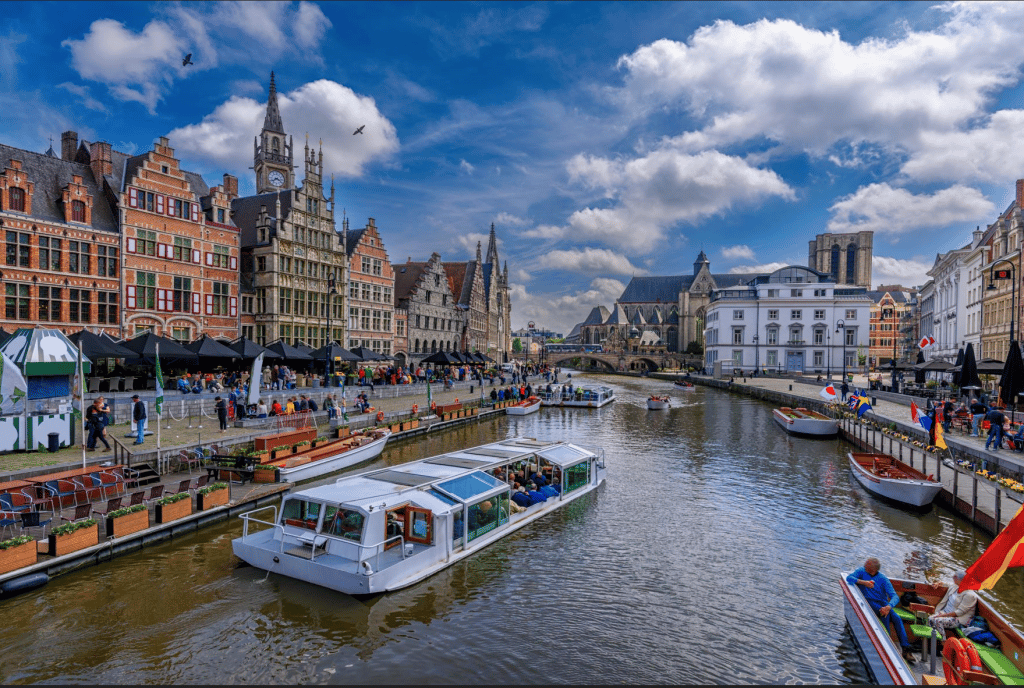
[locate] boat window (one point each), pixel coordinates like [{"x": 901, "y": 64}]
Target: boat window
[
  {"x": 442, "y": 497},
  {"x": 344, "y": 523},
  {"x": 299, "y": 512},
  {"x": 577, "y": 476},
  {"x": 487, "y": 515},
  {"x": 465, "y": 487}
]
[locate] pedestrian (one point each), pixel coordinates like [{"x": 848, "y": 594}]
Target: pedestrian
[
  {"x": 94, "y": 422},
  {"x": 845, "y": 389},
  {"x": 978, "y": 411},
  {"x": 222, "y": 413},
  {"x": 947, "y": 415},
  {"x": 995, "y": 420},
  {"x": 139, "y": 416}
]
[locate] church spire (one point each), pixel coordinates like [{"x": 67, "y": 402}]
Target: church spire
[
  {"x": 492, "y": 248},
  {"x": 272, "y": 122},
  {"x": 479, "y": 258}
]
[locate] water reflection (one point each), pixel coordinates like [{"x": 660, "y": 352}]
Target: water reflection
[{"x": 711, "y": 555}]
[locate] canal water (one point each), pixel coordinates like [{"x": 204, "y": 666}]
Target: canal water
[{"x": 711, "y": 555}]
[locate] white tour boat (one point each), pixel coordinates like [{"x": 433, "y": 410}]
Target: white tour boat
[
  {"x": 524, "y": 407},
  {"x": 659, "y": 403},
  {"x": 330, "y": 457},
  {"x": 391, "y": 527},
  {"x": 801, "y": 421},
  {"x": 885, "y": 476},
  {"x": 584, "y": 396}
]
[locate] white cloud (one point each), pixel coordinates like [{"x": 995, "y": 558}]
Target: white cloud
[
  {"x": 84, "y": 97},
  {"x": 508, "y": 219},
  {"x": 738, "y": 251},
  {"x": 466, "y": 167},
  {"x": 471, "y": 240},
  {"x": 489, "y": 25},
  {"x": 885, "y": 209},
  {"x": 521, "y": 275},
  {"x": 325, "y": 109},
  {"x": 589, "y": 260},
  {"x": 907, "y": 272},
  {"x": 544, "y": 232},
  {"x": 658, "y": 190},
  {"x": 979, "y": 154},
  {"x": 562, "y": 312},
  {"x": 766, "y": 268}
]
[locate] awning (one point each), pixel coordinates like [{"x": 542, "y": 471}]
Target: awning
[{"x": 40, "y": 351}]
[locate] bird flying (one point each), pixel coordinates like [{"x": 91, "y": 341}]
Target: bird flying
[
  {"x": 187, "y": 61},
  {"x": 359, "y": 130}
]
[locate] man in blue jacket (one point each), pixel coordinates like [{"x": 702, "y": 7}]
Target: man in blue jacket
[
  {"x": 880, "y": 594},
  {"x": 537, "y": 497}
]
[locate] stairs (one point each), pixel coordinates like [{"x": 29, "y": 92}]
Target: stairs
[{"x": 147, "y": 475}]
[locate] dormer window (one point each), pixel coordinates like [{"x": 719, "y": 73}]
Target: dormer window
[
  {"x": 17, "y": 199},
  {"x": 77, "y": 211}
]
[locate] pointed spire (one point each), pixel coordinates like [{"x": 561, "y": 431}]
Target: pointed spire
[
  {"x": 479, "y": 257},
  {"x": 492, "y": 247},
  {"x": 272, "y": 121}
]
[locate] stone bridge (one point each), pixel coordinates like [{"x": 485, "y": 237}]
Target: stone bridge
[{"x": 621, "y": 362}]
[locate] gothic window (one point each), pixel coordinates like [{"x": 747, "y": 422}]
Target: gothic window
[
  {"x": 77, "y": 211},
  {"x": 851, "y": 263},
  {"x": 433, "y": 346},
  {"x": 834, "y": 268},
  {"x": 276, "y": 145},
  {"x": 17, "y": 199}
]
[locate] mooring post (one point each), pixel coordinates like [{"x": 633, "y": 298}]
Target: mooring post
[
  {"x": 956, "y": 487},
  {"x": 999, "y": 500},
  {"x": 974, "y": 500}
]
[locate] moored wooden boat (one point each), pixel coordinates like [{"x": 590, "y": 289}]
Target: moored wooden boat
[
  {"x": 801, "y": 421},
  {"x": 332, "y": 456},
  {"x": 524, "y": 407},
  {"x": 658, "y": 403},
  {"x": 890, "y": 478}
]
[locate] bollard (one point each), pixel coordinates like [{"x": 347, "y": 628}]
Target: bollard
[{"x": 791, "y": 388}]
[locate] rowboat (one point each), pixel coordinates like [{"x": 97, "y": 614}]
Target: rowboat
[
  {"x": 586, "y": 396},
  {"x": 388, "y": 528},
  {"x": 883, "y": 657},
  {"x": 524, "y": 407},
  {"x": 801, "y": 421},
  {"x": 656, "y": 403},
  {"x": 331, "y": 457},
  {"x": 887, "y": 477},
  {"x": 683, "y": 384}
]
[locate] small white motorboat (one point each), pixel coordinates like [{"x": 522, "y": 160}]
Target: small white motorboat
[
  {"x": 332, "y": 456},
  {"x": 658, "y": 403},
  {"x": 684, "y": 385},
  {"x": 887, "y": 477},
  {"x": 525, "y": 407},
  {"x": 587, "y": 396},
  {"x": 801, "y": 421}
]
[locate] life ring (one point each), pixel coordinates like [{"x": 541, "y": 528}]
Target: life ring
[
  {"x": 961, "y": 653},
  {"x": 433, "y": 406},
  {"x": 415, "y": 409},
  {"x": 380, "y": 416}
]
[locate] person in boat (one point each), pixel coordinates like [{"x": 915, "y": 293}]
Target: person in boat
[
  {"x": 955, "y": 609},
  {"x": 879, "y": 593},
  {"x": 482, "y": 515},
  {"x": 536, "y": 496},
  {"x": 520, "y": 497},
  {"x": 548, "y": 491}
]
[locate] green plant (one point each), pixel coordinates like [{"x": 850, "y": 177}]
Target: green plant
[
  {"x": 322, "y": 438},
  {"x": 124, "y": 511},
  {"x": 171, "y": 499},
  {"x": 213, "y": 488},
  {"x": 69, "y": 528},
  {"x": 14, "y": 542},
  {"x": 303, "y": 443},
  {"x": 280, "y": 447},
  {"x": 264, "y": 467}
]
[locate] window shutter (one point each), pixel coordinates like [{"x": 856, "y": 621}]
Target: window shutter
[
  {"x": 161, "y": 300},
  {"x": 133, "y": 197},
  {"x": 234, "y": 262},
  {"x": 159, "y": 203},
  {"x": 131, "y": 296},
  {"x": 130, "y": 245},
  {"x": 234, "y": 305},
  {"x": 209, "y": 258},
  {"x": 161, "y": 252},
  {"x": 196, "y": 299},
  {"x": 209, "y": 304},
  {"x": 196, "y": 253},
  {"x": 195, "y": 212}
]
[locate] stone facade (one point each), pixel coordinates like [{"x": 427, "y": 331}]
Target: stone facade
[
  {"x": 434, "y": 319},
  {"x": 845, "y": 257}
]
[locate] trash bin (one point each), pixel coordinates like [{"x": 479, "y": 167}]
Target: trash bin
[
  {"x": 874, "y": 401},
  {"x": 52, "y": 442}
]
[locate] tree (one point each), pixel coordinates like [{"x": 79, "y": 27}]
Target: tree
[
  {"x": 517, "y": 346},
  {"x": 694, "y": 349}
]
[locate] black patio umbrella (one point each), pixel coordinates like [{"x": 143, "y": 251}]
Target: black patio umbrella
[
  {"x": 365, "y": 354},
  {"x": 288, "y": 352},
  {"x": 95, "y": 346},
  {"x": 440, "y": 358},
  {"x": 919, "y": 373},
  {"x": 303, "y": 346},
  {"x": 250, "y": 349},
  {"x": 968, "y": 377},
  {"x": 957, "y": 365},
  {"x": 336, "y": 351},
  {"x": 206, "y": 347},
  {"x": 990, "y": 366},
  {"x": 473, "y": 357},
  {"x": 144, "y": 347},
  {"x": 1012, "y": 382},
  {"x": 484, "y": 358}
]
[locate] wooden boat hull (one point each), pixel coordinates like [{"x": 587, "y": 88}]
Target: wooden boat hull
[
  {"x": 916, "y": 493},
  {"x": 810, "y": 427},
  {"x": 340, "y": 461},
  {"x": 523, "y": 408},
  {"x": 658, "y": 404}
]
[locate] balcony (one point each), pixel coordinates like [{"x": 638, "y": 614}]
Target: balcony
[{"x": 795, "y": 342}]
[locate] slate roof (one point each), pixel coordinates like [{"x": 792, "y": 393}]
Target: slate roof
[
  {"x": 897, "y": 296},
  {"x": 649, "y": 338},
  {"x": 406, "y": 276},
  {"x": 617, "y": 317},
  {"x": 50, "y": 175},
  {"x": 656, "y": 318},
  {"x": 457, "y": 282},
  {"x": 574, "y": 334},
  {"x": 638, "y": 318},
  {"x": 666, "y": 289},
  {"x": 597, "y": 316},
  {"x": 246, "y": 210},
  {"x": 352, "y": 240}
]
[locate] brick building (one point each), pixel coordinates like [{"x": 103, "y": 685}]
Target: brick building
[
  {"x": 371, "y": 289},
  {"x": 466, "y": 281}
]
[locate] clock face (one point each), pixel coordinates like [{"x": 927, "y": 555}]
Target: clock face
[{"x": 276, "y": 178}]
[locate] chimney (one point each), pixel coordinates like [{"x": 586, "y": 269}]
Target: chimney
[
  {"x": 231, "y": 186},
  {"x": 978, "y": 233},
  {"x": 1020, "y": 193},
  {"x": 100, "y": 160},
  {"x": 68, "y": 145}
]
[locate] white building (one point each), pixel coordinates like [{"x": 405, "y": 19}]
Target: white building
[
  {"x": 949, "y": 286},
  {"x": 794, "y": 320},
  {"x": 971, "y": 266}
]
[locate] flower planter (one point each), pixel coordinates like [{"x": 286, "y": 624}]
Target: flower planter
[
  {"x": 264, "y": 476},
  {"x": 414, "y": 423},
  {"x": 214, "y": 499},
  {"x": 165, "y": 513},
  {"x": 127, "y": 524},
  {"x": 72, "y": 542},
  {"x": 397, "y": 427},
  {"x": 18, "y": 557}
]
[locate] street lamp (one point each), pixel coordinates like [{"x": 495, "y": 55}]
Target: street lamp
[
  {"x": 993, "y": 275},
  {"x": 329, "y": 363},
  {"x": 828, "y": 359},
  {"x": 841, "y": 325}
]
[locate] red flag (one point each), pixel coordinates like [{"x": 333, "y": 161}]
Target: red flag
[
  {"x": 1005, "y": 552},
  {"x": 931, "y": 341},
  {"x": 913, "y": 412},
  {"x": 923, "y": 344}
]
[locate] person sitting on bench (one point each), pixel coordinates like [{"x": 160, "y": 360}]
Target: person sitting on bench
[{"x": 956, "y": 609}]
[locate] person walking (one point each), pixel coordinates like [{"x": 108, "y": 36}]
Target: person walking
[
  {"x": 845, "y": 389},
  {"x": 995, "y": 420},
  {"x": 978, "y": 411},
  {"x": 222, "y": 413},
  {"x": 139, "y": 416}
]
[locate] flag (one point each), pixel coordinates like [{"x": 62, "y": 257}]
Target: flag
[
  {"x": 159, "y": 403},
  {"x": 926, "y": 422},
  {"x": 940, "y": 441},
  {"x": 1005, "y": 552},
  {"x": 862, "y": 406},
  {"x": 256, "y": 381},
  {"x": 913, "y": 412},
  {"x": 931, "y": 341},
  {"x": 923, "y": 344},
  {"x": 828, "y": 392},
  {"x": 852, "y": 401}
]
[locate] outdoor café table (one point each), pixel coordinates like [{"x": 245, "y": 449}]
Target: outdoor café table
[
  {"x": 239, "y": 465},
  {"x": 15, "y": 485}
]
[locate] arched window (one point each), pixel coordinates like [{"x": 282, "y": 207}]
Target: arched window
[
  {"x": 276, "y": 145},
  {"x": 77, "y": 211},
  {"x": 834, "y": 267},
  {"x": 416, "y": 347},
  {"x": 17, "y": 197},
  {"x": 851, "y": 264},
  {"x": 433, "y": 346}
]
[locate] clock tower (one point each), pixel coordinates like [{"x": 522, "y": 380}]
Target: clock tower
[{"x": 272, "y": 150}]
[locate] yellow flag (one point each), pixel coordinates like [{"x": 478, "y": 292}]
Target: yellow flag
[{"x": 940, "y": 441}]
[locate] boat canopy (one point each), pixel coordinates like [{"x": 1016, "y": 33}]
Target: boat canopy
[
  {"x": 563, "y": 454},
  {"x": 472, "y": 487}
]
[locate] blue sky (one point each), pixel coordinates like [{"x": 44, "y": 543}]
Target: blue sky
[{"x": 604, "y": 140}]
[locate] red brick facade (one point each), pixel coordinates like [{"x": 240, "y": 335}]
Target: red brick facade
[{"x": 370, "y": 303}]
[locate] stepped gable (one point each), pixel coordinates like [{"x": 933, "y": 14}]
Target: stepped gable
[{"x": 352, "y": 240}]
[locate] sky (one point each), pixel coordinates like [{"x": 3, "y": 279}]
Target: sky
[{"x": 603, "y": 140}]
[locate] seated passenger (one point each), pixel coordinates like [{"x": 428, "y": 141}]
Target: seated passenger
[
  {"x": 520, "y": 498},
  {"x": 881, "y": 596},
  {"x": 956, "y": 609},
  {"x": 539, "y": 479},
  {"x": 537, "y": 497},
  {"x": 548, "y": 491},
  {"x": 183, "y": 386}
]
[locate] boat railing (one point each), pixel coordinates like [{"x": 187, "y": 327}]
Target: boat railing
[
  {"x": 380, "y": 548},
  {"x": 247, "y": 516}
]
